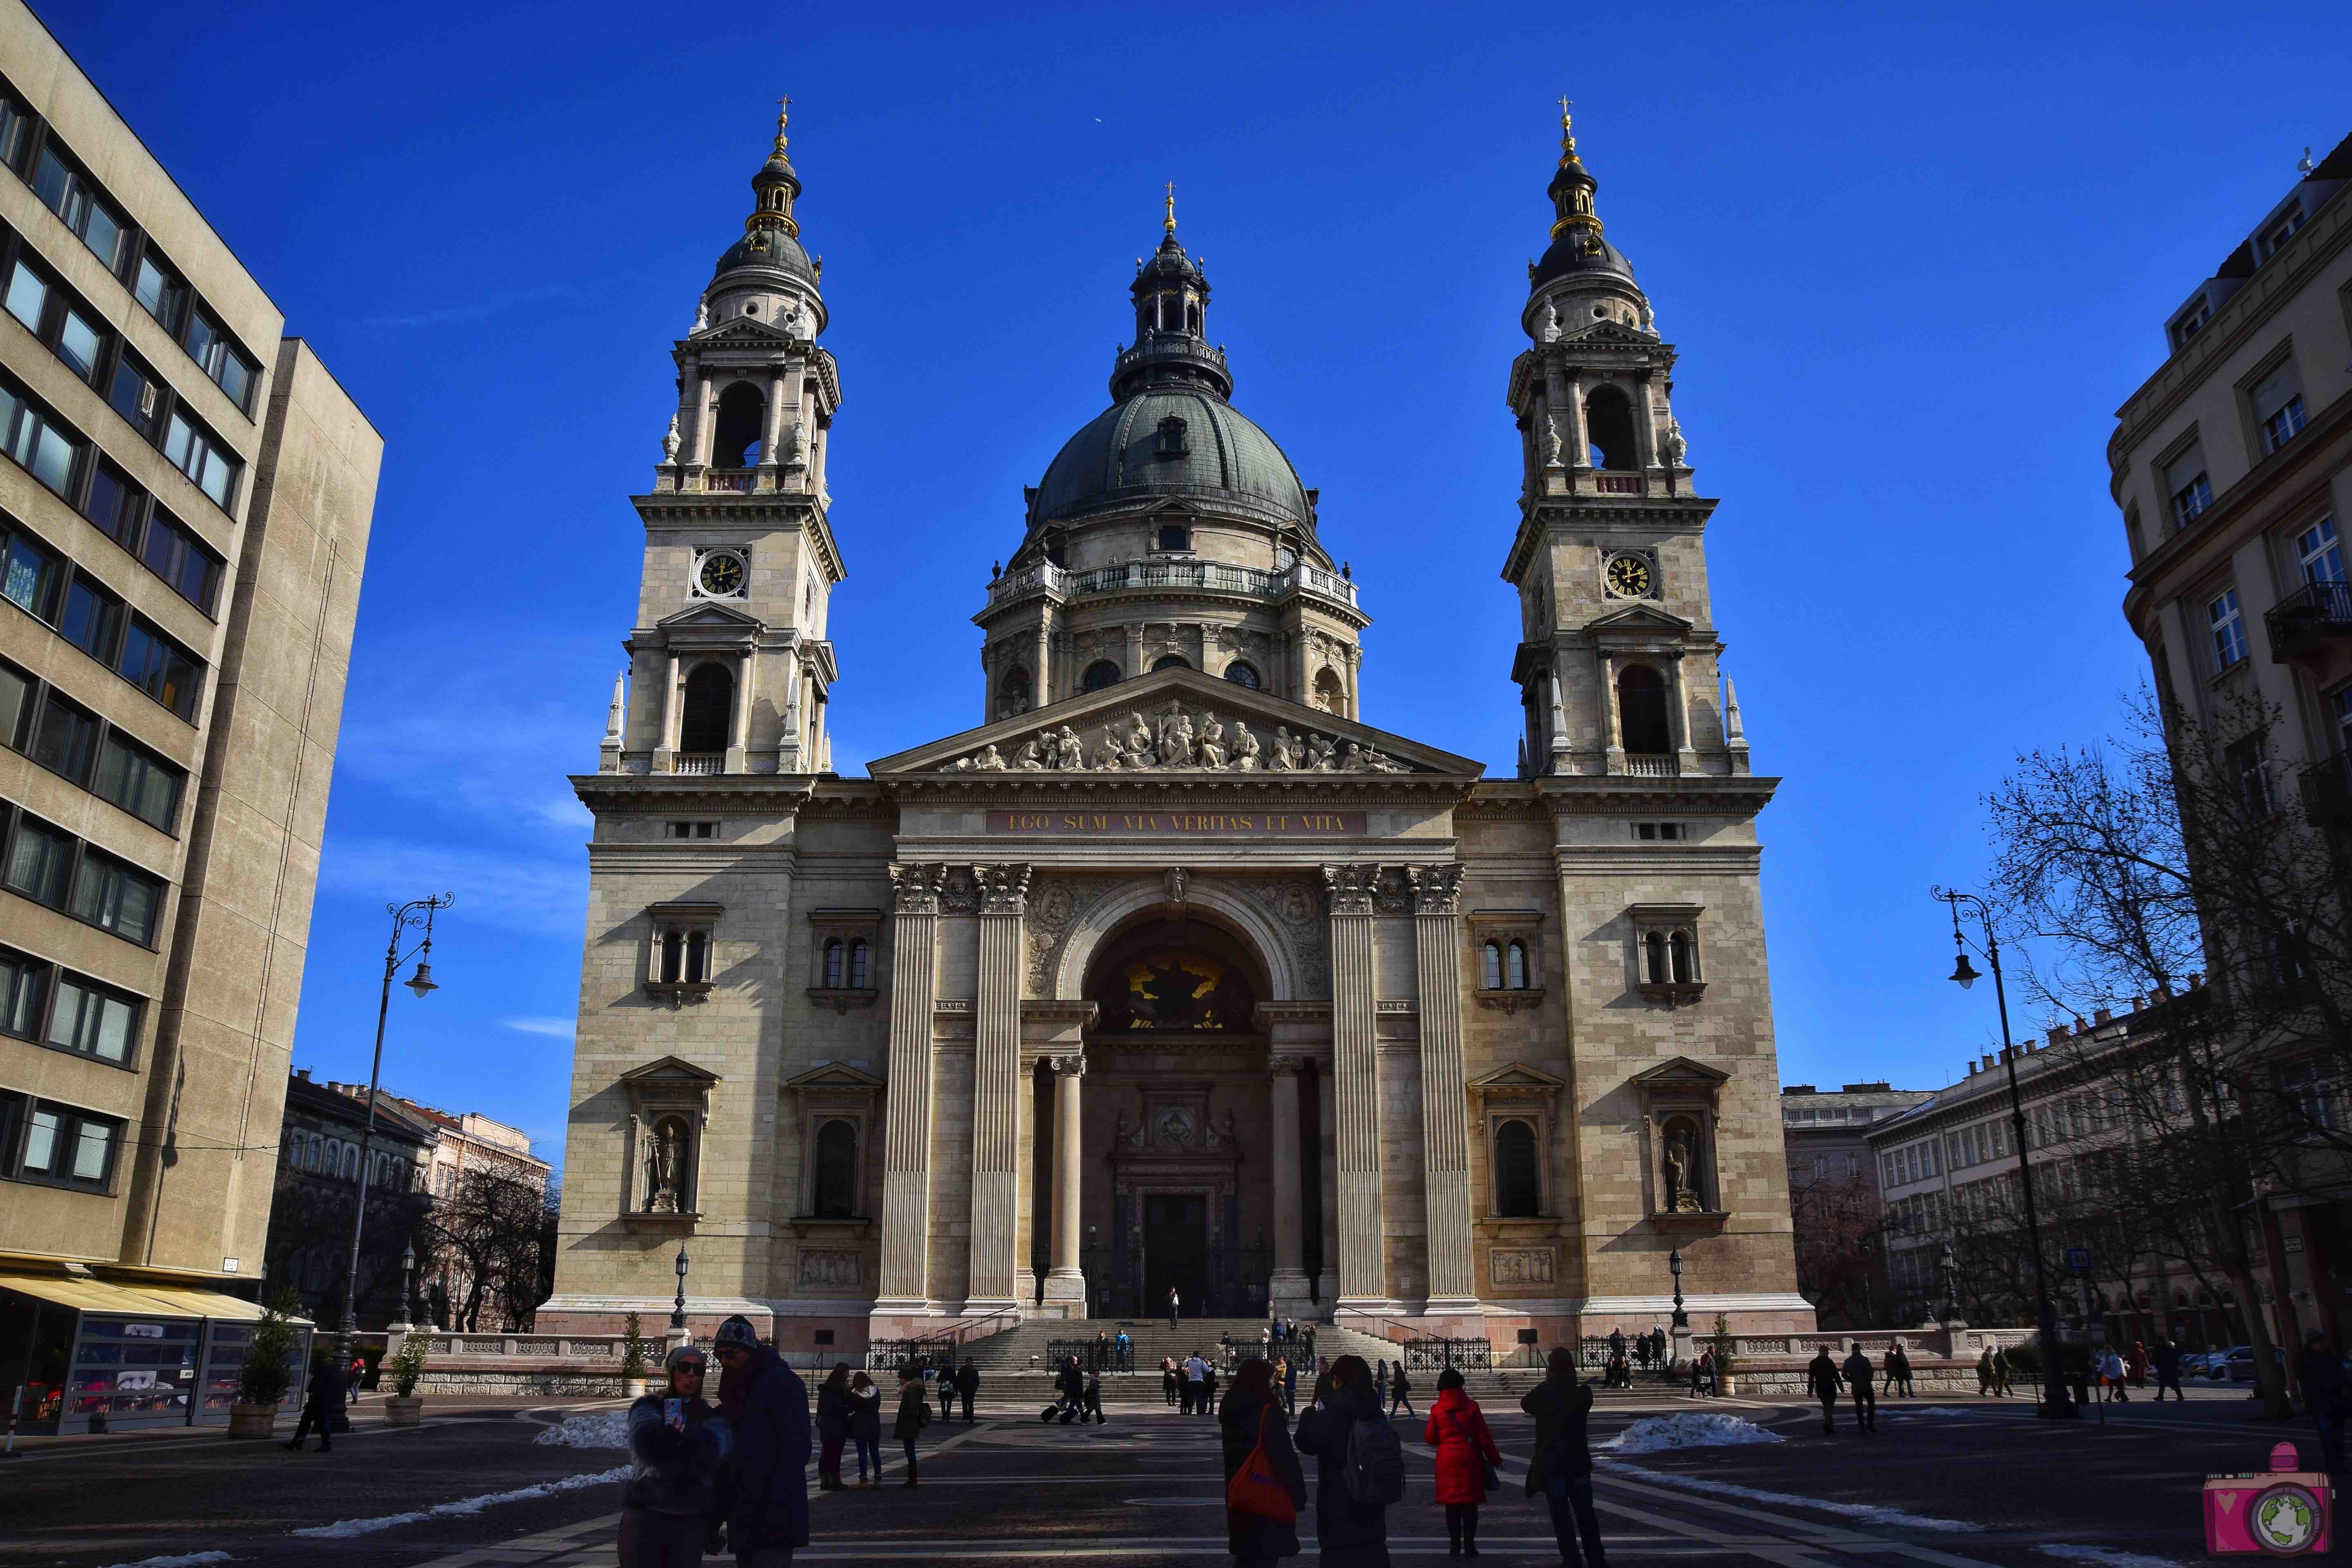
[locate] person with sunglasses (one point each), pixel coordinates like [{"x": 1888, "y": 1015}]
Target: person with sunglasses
[
  {"x": 767, "y": 1479},
  {"x": 679, "y": 1444}
]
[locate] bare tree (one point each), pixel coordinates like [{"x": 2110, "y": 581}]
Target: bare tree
[
  {"x": 489, "y": 1236},
  {"x": 1837, "y": 1228}
]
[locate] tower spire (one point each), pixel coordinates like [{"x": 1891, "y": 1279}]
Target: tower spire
[
  {"x": 1572, "y": 188},
  {"x": 774, "y": 187},
  {"x": 1168, "y": 223}
]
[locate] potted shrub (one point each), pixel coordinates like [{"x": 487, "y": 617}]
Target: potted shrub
[
  {"x": 633, "y": 1357},
  {"x": 1722, "y": 1353},
  {"x": 404, "y": 1407},
  {"x": 264, "y": 1376}
]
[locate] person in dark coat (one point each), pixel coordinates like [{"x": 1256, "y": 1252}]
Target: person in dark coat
[
  {"x": 832, "y": 1426},
  {"x": 914, "y": 1414},
  {"x": 1457, "y": 1430},
  {"x": 1561, "y": 1467},
  {"x": 679, "y": 1445},
  {"x": 1090, "y": 1400},
  {"x": 967, "y": 1382},
  {"x": 944, "y": 1384},
  {"x": 2320, "y": 1371},
  {"x": 323, "y": 1405},
  {"x": 1857, "y": 1379},
  {"x": 1400, "y": 1390},
  {"x": 1251, "y": 1411},
  {"x": 1893, "y": 1369},
  {"x": 767, "y": 1480},
  {"x": 1822, "y": 1377},
  {"x": 866, "y": 1426},
  {"x": 1070, "y": 1389},
  {"x": 1173, "y": 1302},
  {"x": 1349, "y": 1535},
  {"x": 2165, "y": 1359}
]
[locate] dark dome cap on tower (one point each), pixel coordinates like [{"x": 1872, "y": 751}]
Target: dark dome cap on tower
[
  {"x": 1576, "y": 245},
  {"x": 770, "y": 234}
]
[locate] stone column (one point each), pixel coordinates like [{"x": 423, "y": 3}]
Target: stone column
[
  {"x": 739, "y": 723},
  {"x": 665, "y": 748},
  {"x": 1356, "y": 1085},
  {"x": 904, "y": 1287},
  {"x": 1612, "y": 734},
  {"x": 1066, "y": 1281},
  {"x": 1678, "y": 715},
  {"x": 1444, "y": 1110},
  {"x": 1287, "y": 1287},
  {"x": 704, "y": 424},
  {"x": 996, "y": 1086},
  {"x": 1578, "y": 441}
]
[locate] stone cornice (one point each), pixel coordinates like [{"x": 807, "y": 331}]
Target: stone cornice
[
  {"x": 727, "y": 509},
  {"x": 1048, "y": 790},
  {"x": 766, "y": 795},
  {"x": 1618, "y": 794},
  {"x": 1538, "y": 515}
]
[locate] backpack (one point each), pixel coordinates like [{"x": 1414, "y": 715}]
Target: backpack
[{"x": 1373, "y": 1476}]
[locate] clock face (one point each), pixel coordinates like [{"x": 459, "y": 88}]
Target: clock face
[
  {"x": 722, "y": 574},
  {"x": 1629, "y": 578}
]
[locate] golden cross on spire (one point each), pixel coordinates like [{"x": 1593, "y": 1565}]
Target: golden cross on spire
[
  {"x": 1170, "y": 223},
  {"x": 783, "y": 106}
]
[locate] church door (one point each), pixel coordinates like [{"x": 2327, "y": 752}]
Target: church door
[{"x": 1176, "y": 1251}]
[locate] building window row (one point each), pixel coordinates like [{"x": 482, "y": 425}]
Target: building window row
[
  {"x": 56, "y": 1145},
  {"x": 1975, "y": 1145},
  {"x": 54, "y": 1006},
  {"x": 339, "y": 1160},
  {"x": 51, "y": 866},
  {"x": 33, "y": 150},
  {"x": 43, "y": 584},
  {"x": 71, "y": 742},
  {"x": 1913, "y": 1163}
]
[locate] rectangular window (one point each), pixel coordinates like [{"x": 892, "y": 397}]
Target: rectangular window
[
  {"x": 208, "y": 344},
  {"x": 60, "y": 1144},
  {"x": 38, "y": 861},
  {"x": 32, "y": 576},
  {"x": 2228, "y": 630},
  {"x": 174, "y": 553},
  {"x": 2187, "y": 324},
  {"x": 15, "y": 125},
  {"x": 2339, "y": 713},
  {"x": 117, "y": 897},
  {"x": 204, "y": 459},
  {"x": 52, "y": 315},
  {"x": 138, "y": 781},
  {"x": 2318, "y": 553},
  {"x": 114, "y": 504},
  {"x": 28, "y": 298},
  {"x": 15, "y": 706},
  {"x": 68, "y": 192},
  {"x": 2272, "y": 240},
  {"x": 36, "y": 439},
  {"x": 65, "y": 738},
  {"x": 92, "y": 621},
  {"x": 159, "y": 289},
  {"x": 136, "y": 396},
  {"x": 2278, "y": 406},
  {"x": 22, "y": 983},
  {"x": 160, "y": 667},
  {"x": 2249, "y": 777},
  {"x": 93, "y": 1022},
  {"x": 2184, "y": 481}
]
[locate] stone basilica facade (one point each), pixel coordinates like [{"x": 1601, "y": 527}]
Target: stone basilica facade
[{"x": 1176, "y": 972}]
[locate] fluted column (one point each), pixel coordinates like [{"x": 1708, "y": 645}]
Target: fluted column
[
  {"x": 906, "y": 1151},
  {"x": 1445, "y": 1109},
  {"x": 996, "y": 1086},
  {"x": 1287, "y": 1284},
  {"x": 1064, "y": 1279},
  {"x": 1356, "y": 1083}
]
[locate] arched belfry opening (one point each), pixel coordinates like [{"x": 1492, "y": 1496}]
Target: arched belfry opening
[
  {"x": 1181, "y": 1120},
  {"x": 1609, "y": 426},
  {"x": 742, "y": 418},
  {"x": 707, "y": 717}
]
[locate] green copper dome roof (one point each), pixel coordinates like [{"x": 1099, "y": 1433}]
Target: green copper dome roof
[{"x": 1122, "y": 455}]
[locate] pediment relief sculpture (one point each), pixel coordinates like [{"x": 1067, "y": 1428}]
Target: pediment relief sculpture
[{"x": 1178, "y": 739}]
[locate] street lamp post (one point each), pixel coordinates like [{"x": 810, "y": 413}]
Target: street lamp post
[
  {"x": 1868, "y": 1312},
  {"x": 2054, "y": 1403},
  {"x": 407, "y": 1287},
  {"x": 1951, "y": 1268},
  {"x": 1680, "y": 1322},
  {"x": 678, "y": 1335},
  {"x": 413, "y": 913}
]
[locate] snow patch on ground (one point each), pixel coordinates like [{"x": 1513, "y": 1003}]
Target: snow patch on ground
[
  {"x": 600, "y": 1429},
  {"x": 179, "y": 1560},
  {"x": 350, "y": 1527},
  {"x": 1870, "y": 1513},
  {"x": 1688, "y": 1429},
  {"x": 2107, "y": 1557}
]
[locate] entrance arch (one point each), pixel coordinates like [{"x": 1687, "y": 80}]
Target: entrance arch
[{"x": 1282, "y": 972}]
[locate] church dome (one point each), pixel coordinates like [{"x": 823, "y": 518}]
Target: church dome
[
  {"x": 770, "y": 249},
  {"x": 1171, "y": 440},
  {"x": 1574, "y": 254}
]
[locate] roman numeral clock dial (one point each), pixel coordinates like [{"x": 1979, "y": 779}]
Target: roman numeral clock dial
[{"x": 1629, "y": 578}]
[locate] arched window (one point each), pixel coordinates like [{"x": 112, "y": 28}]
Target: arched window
[
  {"x": 1609, "y": 426},
  {"x": 836, "y": 1171},
  {"x": 1102, "y": 672},
  {"x": 1518, "y": 1190},
  {"x": 673, "y": 957},
  {"x": 1241, "y": 672},
  {"x": 742, "y": 418},
  {"x": 1515, "y": 967},
  {"x": 1653, "y": 952},
  {"x": 351, "y": 1164},
  {"x": 315, "y": 1154},
  {"x": 859, "y": 965},
  {"x": 835, "y": 970},
  {"x": 1642, "y": 712},
  {"x": 708, "y": 716},
  {"x": 1328, "y": 694},
  {"x": 1171, "y": 661},
  {"x": 1490, "y": 969},
  {"x": 1686, "y": 956},
  {"x": 697, "y": 956},
  {"x": 1013, "y": 693}
]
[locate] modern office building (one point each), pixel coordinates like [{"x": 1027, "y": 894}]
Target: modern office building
[{"x": 186, "y": 496}]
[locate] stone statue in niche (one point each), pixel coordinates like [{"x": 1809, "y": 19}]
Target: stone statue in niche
[
  {"x": 1675, "y": 446},
  {"x": 1680, "y": 1196},
  {"x": 665, "y": 1159}
]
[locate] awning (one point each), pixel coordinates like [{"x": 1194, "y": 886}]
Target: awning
[
  {"x": 207, "y": 1303},
  {"x": 142, "y": 1300}
]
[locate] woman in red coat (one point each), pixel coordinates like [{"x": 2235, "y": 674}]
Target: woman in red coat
[{"x": 1464, "y": 1449}]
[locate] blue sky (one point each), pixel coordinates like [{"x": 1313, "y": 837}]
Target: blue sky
[{"x": 1913, "y": 259}]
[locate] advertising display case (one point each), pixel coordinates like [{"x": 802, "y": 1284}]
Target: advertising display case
[{"x": 95, "y": 1355}]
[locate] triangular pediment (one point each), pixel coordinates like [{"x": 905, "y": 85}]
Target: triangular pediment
[
  {"x": 1639, "y": 620},
  {"x": 1610, "y": 331},
  {"x": 1174, "y": 721},
  {"x": 669, "y": 1070},
  {"x": 834, "y": 1074},
  {"x": 710, "y": 615},
  {"x": 1517, "y": 1075},
  {"x": 1681, "y": 1072},
  {"x": 743, "y": 330}
]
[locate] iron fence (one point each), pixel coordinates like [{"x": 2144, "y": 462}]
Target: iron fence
[{"x": 1436, "y": 1354}]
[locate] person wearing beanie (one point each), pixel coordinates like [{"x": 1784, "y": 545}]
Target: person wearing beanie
[
  {"x": 677, "y": 1444},
  {"x": 767, "y": 1480}
]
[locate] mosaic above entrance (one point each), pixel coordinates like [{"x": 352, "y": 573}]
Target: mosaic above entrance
[{"x": 1176, "y": 988}]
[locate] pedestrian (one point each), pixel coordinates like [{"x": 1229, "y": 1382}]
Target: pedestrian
[
  {"x": 1322, "y": 1389},
  {"x": 1359, "y": 1469},
  {"x": 1171, "y": 1306},
  {"x": 2320, "y": 1371},
  {"x": 2000, "y": 1371},
  {"x": 1195, "y": 1391},
  {"x": 1090, "y": 1398},
  {"x": 1208, "y": 1391},
  {"x": 1561, "y": 1466},
  {"x": 866, "y": 1426},
  {"x": 1400, "y": 1386},
  {"x": 1257, "y": 1531},
  {"x": 1616, "y": 1342},
  {"x": 1290, "y": 1384},
  {"x": 1070, "y": 1390},
  {"x": 1617, "y": 1374},
  {"x": 2111, "y": 1375},
  {"x": 1887, "y": 1375},
  {"x": 1466, "y": 1458},
  {"x": 1984, "y": 1373},
  {"x": 2136, "y": 1364},
  {"x": 1170, "y": 1378},
  {"x": 968, "y": 1387},
  {"x": 1822, "y": 1378},
  {"x": 832, "y": 1425},
  {"x": 1102, "y": 1348},
  {"x": 1901, "y": 1368},
  {"x": 1125, "y": 1347},
  {"x": 945, "y": 1385},
  {"x": 1310, "y": 1341},
  {"x": 323, "y": 1405},
  {"x": 678, "y": 1446},
  {"x": 1380, "y": 1383},
  {"x": 1857, "y": 1379},
  {"x": 914, "y": 1414},
  {"x": 1225, "y": 1346},
  {"x": 767, "y": 1407},
  {"x": 1641, "y": 1352},
  {"x": 2165, "y": 1360},
  {"x": 1703, "y": 1373}
]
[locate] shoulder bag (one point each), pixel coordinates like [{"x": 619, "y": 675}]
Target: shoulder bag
[{"x": 1255, "y": 1489}]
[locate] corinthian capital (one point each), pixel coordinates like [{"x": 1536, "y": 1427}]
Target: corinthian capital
[
  {"x": 1003, "y": 889},
  {"x": 1350, "y": 888},
  {"x": 1436, "y": 889},
  {"x": 916, "y": 886}
]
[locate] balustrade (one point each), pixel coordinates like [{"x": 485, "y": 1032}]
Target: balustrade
[
  {"x": 1642, "y": 765},
  {"x": 699, "y": 763},
  {"x": 1210, "y": 574}
]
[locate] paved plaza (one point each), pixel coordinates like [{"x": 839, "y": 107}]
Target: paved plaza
[{"x": 1950, "y": 1481}]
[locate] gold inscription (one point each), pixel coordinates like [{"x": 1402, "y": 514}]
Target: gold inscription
[{"x": 1178, "y": 823}]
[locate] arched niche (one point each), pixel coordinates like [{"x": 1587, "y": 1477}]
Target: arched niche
[
  {"x": 1182, "y": 974},
  {"x": 1277, "y": 966}
]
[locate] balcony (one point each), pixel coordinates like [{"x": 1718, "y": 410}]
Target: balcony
[
  {"x": 2301, "y": 624},
  {"x": 1649, "y": 765},
  {"x": 2327, "y": 791},
  {"x": 1208, "y": 575},
  {"x": 702, "y": 762}
]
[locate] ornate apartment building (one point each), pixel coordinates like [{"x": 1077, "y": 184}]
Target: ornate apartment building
[{"x": 1175, "y": 972}]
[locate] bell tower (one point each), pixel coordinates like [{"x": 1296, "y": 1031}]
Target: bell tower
[
  {"x": 1617, "y": 661},
  {"x": 729, "y": 669}
]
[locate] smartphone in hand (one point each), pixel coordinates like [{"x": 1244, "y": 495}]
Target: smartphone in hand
[{"x": 673, "y": 1412}]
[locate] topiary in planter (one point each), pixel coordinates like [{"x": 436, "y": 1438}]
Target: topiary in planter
[{"x": 263, "y": 1377}]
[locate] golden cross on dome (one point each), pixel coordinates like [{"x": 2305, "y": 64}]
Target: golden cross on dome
[
  {"x": 783, "y": 105},
  {"x": 1170, "y": 223}
]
